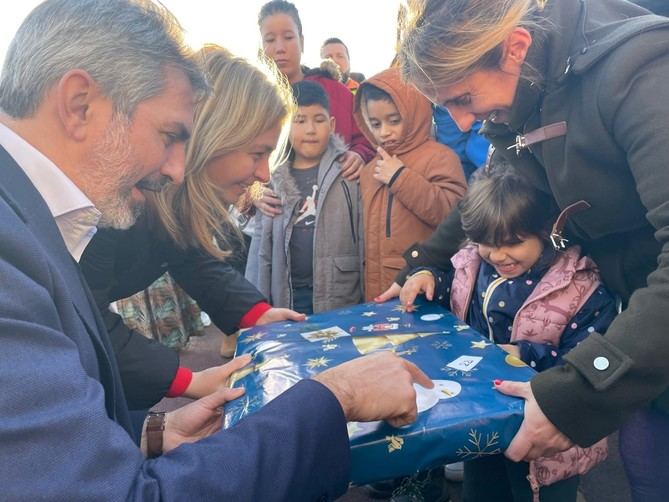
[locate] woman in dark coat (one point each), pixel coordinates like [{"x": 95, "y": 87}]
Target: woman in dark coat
[
  {"x": 187, "y": 231},
  {"x": 574, "y": 94}
]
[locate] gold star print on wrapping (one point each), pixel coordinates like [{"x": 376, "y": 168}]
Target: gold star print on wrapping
[
  {"x": 403, "y": 309},
  {"x": 318, "y": 362},
  {"x": 367, "y": 344},
  {"x": 480, "y": 344},
  {"x": 395, "y": 443},
  {"x": 271, "y": 363}
]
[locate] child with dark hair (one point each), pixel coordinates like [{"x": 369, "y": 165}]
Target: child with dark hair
[
  {"x": 411, "y": 184},
  {"x": 309, "y": 257},
  {"x": 516, "y": 283}
]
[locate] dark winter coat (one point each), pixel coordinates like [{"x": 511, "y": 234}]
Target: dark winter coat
[{"x": 605, "y": 68}]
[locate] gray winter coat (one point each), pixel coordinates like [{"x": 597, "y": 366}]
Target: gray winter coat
[{"x": 337, "y": 256}]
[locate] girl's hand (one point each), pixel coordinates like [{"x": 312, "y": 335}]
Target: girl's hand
[
  {"x": 421, "y": 282},
  {"x": 386, "y": 166},
  {"x": 277, "y": 314},
  {"x": 389, "y": 294}
]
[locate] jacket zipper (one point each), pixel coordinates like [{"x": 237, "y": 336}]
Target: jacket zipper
[
  {"x": 488, "y": 294},
  {"x": 388, "y": 214},
  {"x": 349, "y": 203}
]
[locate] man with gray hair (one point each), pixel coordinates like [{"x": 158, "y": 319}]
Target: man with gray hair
[{"x": 96, "y": 101}]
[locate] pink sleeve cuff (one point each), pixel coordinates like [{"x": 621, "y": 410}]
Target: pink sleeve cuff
[
  {"x": 181, "y": 382},
  {"x": 254, "y": 313}
]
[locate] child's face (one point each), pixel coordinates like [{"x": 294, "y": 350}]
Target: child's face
[
  {"x": 310, "y": 133},
  {"x": 385, "y": 122},
  {"x": 513, "y": 260}
]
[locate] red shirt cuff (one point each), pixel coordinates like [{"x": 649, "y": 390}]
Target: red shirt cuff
[
  {"x": 254, "y": 313},
  {"x": 181, "y": 382}
]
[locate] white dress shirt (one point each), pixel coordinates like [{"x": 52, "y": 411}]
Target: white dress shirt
[{"x": 75, "y": 214}]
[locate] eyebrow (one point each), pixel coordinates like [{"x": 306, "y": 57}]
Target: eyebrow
[
  {"x": 179, "y": 130},
  {"x": 265, "y": 148}
]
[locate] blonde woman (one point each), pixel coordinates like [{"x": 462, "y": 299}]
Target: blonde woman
[
  {"x": 574, "y": 96},
  {"x": 188, "y": 231}
]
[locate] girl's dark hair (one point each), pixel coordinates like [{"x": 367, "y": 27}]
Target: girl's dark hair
[
  {"x": 309, "y": 93},
  {"x": 501, "y": 207},
  {"x": 369, "y": 92},
  {"x": 280, "y": 7}
]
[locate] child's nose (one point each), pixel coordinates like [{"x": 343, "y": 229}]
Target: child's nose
[{"x": 497, "y": 254}]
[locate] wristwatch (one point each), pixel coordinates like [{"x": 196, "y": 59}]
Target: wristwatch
[{"x": 155, "y": 426}]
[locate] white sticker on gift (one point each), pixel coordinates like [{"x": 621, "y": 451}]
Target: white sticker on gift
[
  {"x": 465, "y": 363},
  {"x": 425, "y": 398},
  {"x": 431, "y": 317}
]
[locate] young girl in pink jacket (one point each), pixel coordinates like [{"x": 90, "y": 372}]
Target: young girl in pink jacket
[{"x": 517, "y": 283}]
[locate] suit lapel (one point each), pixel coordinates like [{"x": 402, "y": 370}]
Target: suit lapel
[{"x": 21, "y": 194}]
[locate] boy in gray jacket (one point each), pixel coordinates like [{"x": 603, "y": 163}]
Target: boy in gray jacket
[{"x": 309, "y": 258}]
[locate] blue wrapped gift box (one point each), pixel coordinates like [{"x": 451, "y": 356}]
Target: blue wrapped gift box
[{"x": 462, "y": 418}]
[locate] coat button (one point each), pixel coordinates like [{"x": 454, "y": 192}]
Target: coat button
[
  {"x": 601, "y": 363},
  {"x": 414, "y": 254}
]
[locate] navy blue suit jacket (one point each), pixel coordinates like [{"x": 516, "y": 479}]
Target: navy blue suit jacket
[{"x": 64, "y": 428}]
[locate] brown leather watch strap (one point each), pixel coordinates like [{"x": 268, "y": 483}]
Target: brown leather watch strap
[{"x": 155, "y": 426}]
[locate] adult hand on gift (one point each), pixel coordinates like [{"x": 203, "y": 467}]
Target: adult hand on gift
[
  {"x": 351, "y": 165},
  {"x": 208, "y": 381},
  {"x": 389, "y": 294},
  {"x": 419, "y": 283},
  {"x": 376, "y": 387},
  {"x": 269, "y": 203},
  {"x": 537, "y": 436},
  {"x": 196, "y": 420},
  {"x": 277, "y": 314}
]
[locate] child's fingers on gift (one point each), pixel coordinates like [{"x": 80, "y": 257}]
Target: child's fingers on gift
[
  {"x": 280, "y": 314},
  {"x": 390, "y": 293},
  {"x": 409, "y": 292},
  {"x": 236, "y": 364}
]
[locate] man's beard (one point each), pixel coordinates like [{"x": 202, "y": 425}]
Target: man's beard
[{"x": 112, "y": 176}]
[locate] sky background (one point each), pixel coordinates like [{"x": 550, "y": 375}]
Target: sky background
[{"x": 366, "y": 26}]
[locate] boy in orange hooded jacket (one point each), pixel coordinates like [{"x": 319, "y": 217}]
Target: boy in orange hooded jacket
[{"x": 412, "y": 183}]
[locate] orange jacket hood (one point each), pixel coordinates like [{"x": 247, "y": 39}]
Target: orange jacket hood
[{"x": 415, "y": 109}]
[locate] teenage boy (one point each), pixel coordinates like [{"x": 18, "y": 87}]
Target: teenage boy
[{"x": 309, "y": 257}]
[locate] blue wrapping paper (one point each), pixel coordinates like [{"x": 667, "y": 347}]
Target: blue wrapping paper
[{"x": 462, "y": 418}]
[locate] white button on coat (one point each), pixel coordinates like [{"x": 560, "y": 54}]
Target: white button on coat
[{"x": 601, "y": 363}]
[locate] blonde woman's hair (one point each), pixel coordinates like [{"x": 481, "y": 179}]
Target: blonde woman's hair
[
  {"x": 244, "y": 101},
  {"x": 444, "y": 41}
]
